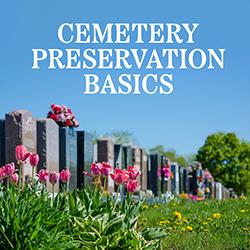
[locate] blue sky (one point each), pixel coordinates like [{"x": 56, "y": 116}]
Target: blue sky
[{"x": 203, "y": 101}]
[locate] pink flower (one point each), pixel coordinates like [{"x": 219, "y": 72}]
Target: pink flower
[
  {"x": 132, "y": 186},
  {"x": 194, "y": 197},
  {"x": 96, "y": 169},
  {"x": 9, "y": 169},
  {"x": 106, "y": 168},
  {"x": 76, "y": 123},
  {"x": 14, "y": 178},
  {"x": 63, "y": 116},
  {"x": 43, "y": 175},
  {"x": 159, "y": 172},
  {"x": 166, "y": 172},
  {"x": 119, "y": 176},
  {"x": 88, "y": 174},
  {"x": 133, "y": 172},
  {"x": 53, "y": 177},
  {"x": 34, "y": 159},
  {"x": 21, "y": 153},
  {"x": 65, "y": 175},
  {"x": 2, "y": 173}
]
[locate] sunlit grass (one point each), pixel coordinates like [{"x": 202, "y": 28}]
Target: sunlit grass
[{"x": 201, "y": 225}]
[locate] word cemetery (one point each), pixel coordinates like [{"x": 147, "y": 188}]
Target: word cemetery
[{"x": 124, "y": 58}]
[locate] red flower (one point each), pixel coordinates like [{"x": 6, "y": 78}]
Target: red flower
[
  {"x": 34, "y": 159},
  {"x": 53, "y": 177},
  {"x": 106, "y": 168},
  {"x": 96, "y": 169},
  {"x": 68, "y": 123},
  {"x": 9, "y": 169},
  {"x": 2, "y": 173},
  {"x": 133, "y": 172},
  {"x": 43, "y": 175},
  {"x": 14, "y": 178},
  {"x": 63, "y": 116},
  {"x": 21, "y": 153},
  {"x": 119, "y": 176},
  {"x": 65, "y": 175},
  {"x": 132, "y": 186}
]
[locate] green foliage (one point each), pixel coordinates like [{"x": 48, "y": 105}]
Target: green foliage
[
  {"x": 171, "y": 154},
  {"x": 228, "y": 159},
  {"x": 214, "y": 224},
  {"x": 82, "y": 219},
  {"x": 122, "y": 137}
]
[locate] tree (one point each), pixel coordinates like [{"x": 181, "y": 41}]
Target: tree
[
  {"x": 122, "y": 137},
  {"x": 170, "y": 154},
  {"x": 228, "y": 159}
]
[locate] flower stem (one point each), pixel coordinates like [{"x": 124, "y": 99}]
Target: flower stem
[
  {"x": 53, "y": 192},
  {"x": 8, "y": 183},
  {"x": 105, "y": 183},
  {"x": 33, "y": 170},
  {"x": 20, "y": 176}
]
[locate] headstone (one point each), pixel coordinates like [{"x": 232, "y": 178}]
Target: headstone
[
  {"x": 95, "y": 153},
  {"x": 118, "y": 156},
  {"x": 195, "y": 177},
  {"x": 136, "y": 161},
  {"x": 106, "y": 154},
  {"x": 20, "y": 128},
  {"x": 68, "y": 153},
  {"x": 213, "y": 190},
  {"x": 153, "y": 166},
  {"x": 2, "y": 142},
  {"x": 84, "y": 158},
  {"x": 144, "y": 170},
  {"x": 165, "y": 183},
  {"x": 185, "y": 181},
  {"x": 181, "y": 177},
  {"x": 175, "y": 182},
  {"x": 190, "y": 182},
  {"x": 218, "y": 191},
  {"x": 48, "y": 147},
  {"x": 127, "y": 156}
]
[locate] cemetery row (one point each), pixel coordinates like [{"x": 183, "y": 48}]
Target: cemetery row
[{"x": 64, "y": 147}]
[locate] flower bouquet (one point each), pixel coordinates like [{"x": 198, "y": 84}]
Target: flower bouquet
[{"x": 63, "y": 116}]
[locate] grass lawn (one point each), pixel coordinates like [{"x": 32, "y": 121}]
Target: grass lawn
[{"x": 201, "y": 225}]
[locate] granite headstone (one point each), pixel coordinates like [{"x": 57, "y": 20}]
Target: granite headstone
[
  {"x": 84, "y": 158},
  {"x": 20, "y": 128},
  {"x": 48, "y": 147},
  {"x": 2, "y": 142},
  {"x": 68, "y": 153},
  {"x": 106, "y": 154}
]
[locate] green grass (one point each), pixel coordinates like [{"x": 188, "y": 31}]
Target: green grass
[{"x": 196, "y": 227}]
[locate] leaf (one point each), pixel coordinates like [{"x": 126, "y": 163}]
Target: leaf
[
  {"x": 114, "y": 225},
  {"x": 153, "y": 233}
]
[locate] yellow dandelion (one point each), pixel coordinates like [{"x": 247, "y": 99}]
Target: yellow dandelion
[
  {"x": 243, "y": 210},
  {"x": 189, "y": 228},
  {"x": 164, "y": 222},
  {"x": 178, "y": 215},
  {"x": 209, "y": 219},
  {"x": 242, "y": 197},
  {"x": 145, "y": 206},
  {"x": 155, "y": 206},
  {"x": 216, "y": 216}
]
